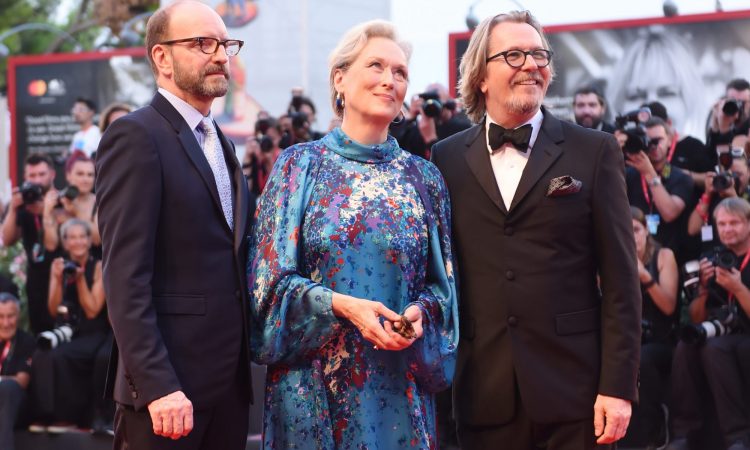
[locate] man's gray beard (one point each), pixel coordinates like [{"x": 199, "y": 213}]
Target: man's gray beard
[
  {"x": 514, "y": 105},
  {"x": 197, "y": 85}
]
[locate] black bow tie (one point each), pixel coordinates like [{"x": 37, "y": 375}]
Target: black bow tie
[{"x": 518, "y": 137}]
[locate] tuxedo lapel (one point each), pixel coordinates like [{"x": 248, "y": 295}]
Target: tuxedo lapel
[
  {"x": 544, "y": 153},
  {"x": 190, "y": 146},
  {"x": 478, "y": 158}
]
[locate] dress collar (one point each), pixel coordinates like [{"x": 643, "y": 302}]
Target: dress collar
[{"x": 347, "y": 147}]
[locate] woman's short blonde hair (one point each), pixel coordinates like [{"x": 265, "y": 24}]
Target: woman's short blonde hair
[
  {"x": 351, "y": 45},
  {"x": 473, "y": 68}
]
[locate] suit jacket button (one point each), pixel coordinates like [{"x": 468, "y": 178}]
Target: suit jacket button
[
  {"x": 512, "y": 321},
  {"x": 510, "y": 275},
  {"x": 134, "y": 394},
  {"x": 237, "y": 294},
  {"x": 508, "y": 231}
]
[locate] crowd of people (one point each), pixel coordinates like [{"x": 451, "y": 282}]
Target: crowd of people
[{"x": 351, "y": 239}]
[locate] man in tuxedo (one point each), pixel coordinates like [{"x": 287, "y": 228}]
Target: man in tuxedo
[
  {"x": 548, "y": 357},
  {"x": 174, "y": 215}
]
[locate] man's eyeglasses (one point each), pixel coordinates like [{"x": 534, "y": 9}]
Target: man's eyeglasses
[
  {"x": 517, "y": 58},
  {"x": 210, "y": 45}
]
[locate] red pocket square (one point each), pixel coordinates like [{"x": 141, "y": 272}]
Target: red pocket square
[{"x": 564, "y": 185}]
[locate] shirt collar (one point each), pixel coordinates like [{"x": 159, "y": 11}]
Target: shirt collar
[
  {"x": 536, "y": 124},
  {"x": 191, "y": 115}
]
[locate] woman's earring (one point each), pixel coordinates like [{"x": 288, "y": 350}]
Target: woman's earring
[
  {"x": 399, "y": 118},
  {"x": 339, "y": 101}
]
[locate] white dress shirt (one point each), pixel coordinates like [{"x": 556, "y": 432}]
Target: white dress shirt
[{"x": 507, "y": 162}]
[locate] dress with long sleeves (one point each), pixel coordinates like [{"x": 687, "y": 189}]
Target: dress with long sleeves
[{"x": 337, "y": 216}]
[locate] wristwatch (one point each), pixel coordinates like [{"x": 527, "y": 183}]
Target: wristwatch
[{"x": 655, "y": 182}]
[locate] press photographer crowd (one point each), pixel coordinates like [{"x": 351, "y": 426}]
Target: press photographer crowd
[{"x": 690, "y": 220}]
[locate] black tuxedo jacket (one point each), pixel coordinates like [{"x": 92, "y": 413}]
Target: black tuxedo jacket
[
  {"x": 531, "y": 313},
  {"x": 174, "y": 272}
]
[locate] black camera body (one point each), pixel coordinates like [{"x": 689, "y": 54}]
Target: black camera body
[
  {"x": 70, "y": 192},
  {"x": 724, "y": 180},
  {"x": 69, "y": 267},
  {"x": 31, "y": 192},
  {"x": 431, "y": 104},
  {"x": 724, "y": 258},
  {"x": 732, "y": 107},
  {"x": 630, "y": 124}
]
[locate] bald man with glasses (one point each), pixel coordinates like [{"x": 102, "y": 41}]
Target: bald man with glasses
[{"x": 174, "y": 217}]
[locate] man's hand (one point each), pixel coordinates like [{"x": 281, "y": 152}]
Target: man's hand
[
  {"x": 611, "y": 418},
  {"x": 427, "y": 128},
  {"x": 172, "y": 415},
  {"x": 729, "y": 280},
  {"x": 641, "y": 163}
]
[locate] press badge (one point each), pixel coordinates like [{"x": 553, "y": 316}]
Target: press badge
[
  {"x": 707, "y": 233},
  {"x": 652, "y": 223}
]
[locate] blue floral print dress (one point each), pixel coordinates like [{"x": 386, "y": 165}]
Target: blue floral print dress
[{"x": 372, "y": 222}]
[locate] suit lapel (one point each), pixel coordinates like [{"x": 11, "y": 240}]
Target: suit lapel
[
  {"x": 191, "y": 147},
  {"x": 544, "y": 153},
  {"x": 478, "y": 159}
]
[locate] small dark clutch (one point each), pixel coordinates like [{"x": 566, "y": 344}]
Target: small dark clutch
[{"x": 405, "y": 328}]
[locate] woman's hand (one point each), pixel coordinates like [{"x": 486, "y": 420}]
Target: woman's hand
[
  {"x": 365, "y": 315},
  {"x": 57, "y": 268}
]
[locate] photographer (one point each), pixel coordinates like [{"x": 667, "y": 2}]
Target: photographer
[
  {"x": 16, "y": 349},
  {"x": 77, "y": 200},
  {"x": 730, "y": 116},
  {"x": 434, "y": 116},
  {"x": 658, "y": 189},
  {"x": 72, "y": 358},
  {"x": 714, "y": 353},
  {"x": 730, "y": 183},
  {"x": 24, "y": 220},
  {"x": 302, "y": 113},
  {"x": 657, "y": 270}
]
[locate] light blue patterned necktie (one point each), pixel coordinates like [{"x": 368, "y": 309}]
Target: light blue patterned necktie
[{"x": 215, "y": 156}]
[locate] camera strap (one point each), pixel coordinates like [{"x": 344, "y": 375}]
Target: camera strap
[
  {"x": 742, "y": 267},
  {"x": 4, "y": 355},
  {"x": 672, "y": 146}
]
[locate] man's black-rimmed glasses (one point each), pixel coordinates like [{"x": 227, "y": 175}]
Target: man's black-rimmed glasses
[
  {"x": 209, "y": 45},
  {"x": 517, "y": 58}
]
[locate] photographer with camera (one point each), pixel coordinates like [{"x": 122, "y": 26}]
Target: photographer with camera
[
  {"x": 24, "y": 220},
  {"x": 16, "y": 349},
  {"x": 658, "y": 274},
  {"x": 715, "y": 348},
  {"x": 72, "y": 358},
  {"x": 656, "y": 188},
  {"x": 302, "y": 114},
  {"x": 76, "y": 200},
  {"x": 434, "y": 116},
  {"x": 730, "y": 116},
  {"x": 731, "y": 181},
  {"x": 261, "y": 152}
]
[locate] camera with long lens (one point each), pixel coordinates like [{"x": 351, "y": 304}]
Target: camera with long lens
[
  {"x": 63, "y": 332},
  {"x": 723, "y": 322},
  {"x": 631, "y": 124},
  {"x": 732, "y": 107},
  {"x": 431, "y": 105},
  {"x": 31, "y": 192},
  {"x": 692, "y": 276}
]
